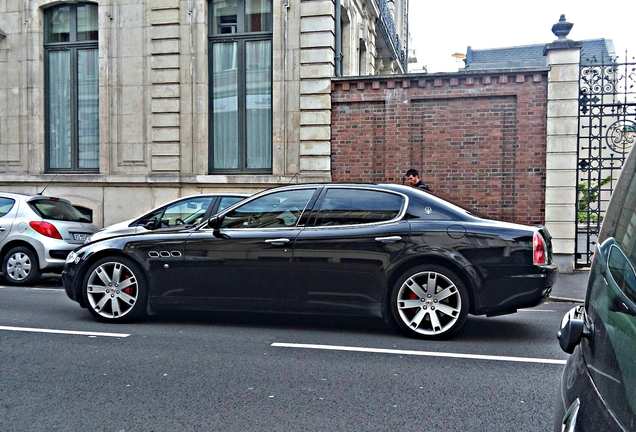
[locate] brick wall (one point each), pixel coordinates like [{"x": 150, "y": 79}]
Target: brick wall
[{"x": 477, "y": 138}]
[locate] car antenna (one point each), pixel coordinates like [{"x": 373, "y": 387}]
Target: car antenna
[
  {"x": 292, "y": 179},
  {"x": 47, "y": 185}
]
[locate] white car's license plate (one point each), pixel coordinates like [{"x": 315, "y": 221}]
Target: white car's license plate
[{"x": 81, "y": 237}]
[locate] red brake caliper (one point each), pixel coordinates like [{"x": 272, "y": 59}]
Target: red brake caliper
[{"x": 128, "y": 290}]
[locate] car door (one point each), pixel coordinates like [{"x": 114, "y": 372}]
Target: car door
[
  {"x": 246, "y": 263},
  {"x": 6, "y": 216},
  {"x": 352, "y": 237}
]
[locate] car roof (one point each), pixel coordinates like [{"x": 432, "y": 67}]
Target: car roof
[{"x": 31, "y": 197}]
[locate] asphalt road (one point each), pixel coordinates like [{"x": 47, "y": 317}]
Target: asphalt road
[{"x": 254, "y": 372}]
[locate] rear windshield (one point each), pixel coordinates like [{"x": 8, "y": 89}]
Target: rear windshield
[{"x": 57, "y": 210}]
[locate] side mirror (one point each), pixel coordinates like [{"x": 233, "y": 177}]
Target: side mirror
[
  {"x": 215, "y": 223},
  {"x": 570, "y": 334},
  {"x": 151, "y": 224},
  {"x": 573, "y": 329}
]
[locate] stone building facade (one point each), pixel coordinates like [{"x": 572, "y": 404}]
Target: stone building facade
[
  {"x": 155, "y": 110},
  {"x": 149, "y": 129}
]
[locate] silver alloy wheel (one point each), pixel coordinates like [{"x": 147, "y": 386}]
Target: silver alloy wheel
[
  {"x": 429, "y": 303},
  {"x": 18, "y": 266},
  {"x": 112, "y": 290}
]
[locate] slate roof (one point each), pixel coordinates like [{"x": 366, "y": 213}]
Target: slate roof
[{"x": 531, "y": 56}]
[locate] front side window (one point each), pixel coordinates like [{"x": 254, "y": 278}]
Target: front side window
[
  {"x": 240, "y": 47},
  {"x": 276, "y": 210},
  {"x": 71, "y": 87}
]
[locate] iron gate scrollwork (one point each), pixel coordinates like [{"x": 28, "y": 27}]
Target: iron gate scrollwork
[{"x": 607, "y": 131}]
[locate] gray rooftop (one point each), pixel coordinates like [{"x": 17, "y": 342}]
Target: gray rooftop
[{"x": 531, "y": 56}]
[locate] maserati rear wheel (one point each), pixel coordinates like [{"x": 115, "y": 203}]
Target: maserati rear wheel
[{"x": 429, "y": 302}]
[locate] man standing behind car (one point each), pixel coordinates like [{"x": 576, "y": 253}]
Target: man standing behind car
[{"x": 413, "y": 177}]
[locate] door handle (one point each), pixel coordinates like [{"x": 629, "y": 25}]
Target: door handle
[
  {"x": 2, "y": 228},
  {"x": 277, "y": 242},
  {"x": 391, "y": 239}
]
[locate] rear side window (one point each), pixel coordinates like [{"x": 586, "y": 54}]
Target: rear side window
[
  {"x": 57, "y": 210},
  {"x": 6, "y": 204},
  {"x": 357, "y": 206}
]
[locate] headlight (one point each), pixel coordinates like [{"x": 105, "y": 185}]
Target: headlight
[{"x": 72, "y": 258}]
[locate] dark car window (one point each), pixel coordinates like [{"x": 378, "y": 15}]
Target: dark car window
[
  {"x": 342, "y": 206},
  {"x": 6, "y": 204},
  {"x": 185, "y": 212},
  {"x": 275, "y": 210},
  {"x": 57, "y": 210},
  {"x": 622, "y": 272},
  {"x": 227, "y": 201}
]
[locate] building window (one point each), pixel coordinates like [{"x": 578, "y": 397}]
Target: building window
[
  {"x": 240, "y": 49},
  {"x": 71, "y": 88}
]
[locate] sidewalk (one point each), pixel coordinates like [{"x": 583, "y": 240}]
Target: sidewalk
[{"x": 570, "y": 286}]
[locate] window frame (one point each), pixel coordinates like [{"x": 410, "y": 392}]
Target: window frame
[
  {"x": 73, "y": 46},
  {"x": 241, "y": 38}
]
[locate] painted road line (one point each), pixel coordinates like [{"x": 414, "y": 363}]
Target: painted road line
[
  {"x": 420, "y": 353},
  {"x": 66, "y": 332}
]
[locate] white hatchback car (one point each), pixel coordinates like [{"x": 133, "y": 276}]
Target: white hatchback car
[
  {"x": 36, "y": 234},
  {"x": 186, "y": 211}
]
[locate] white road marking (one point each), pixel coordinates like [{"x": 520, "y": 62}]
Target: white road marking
[
  {"x": 536, "y": 310},
  {"x": 67, "y": 332},
  {"x": 421, "y": 353}
]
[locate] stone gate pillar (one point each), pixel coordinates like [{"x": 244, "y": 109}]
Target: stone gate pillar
[{"x": 563, "y": 59}]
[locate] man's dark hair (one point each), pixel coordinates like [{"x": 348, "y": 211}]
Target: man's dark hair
[{"x": 412, "y": 172}]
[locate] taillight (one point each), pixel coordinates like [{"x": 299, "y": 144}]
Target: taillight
[
  {"x": 539, "y": 253},
  {"x": 46, "y": 229}
]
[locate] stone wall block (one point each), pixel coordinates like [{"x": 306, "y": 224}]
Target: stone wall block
[
  {"x": 315, "y": 117},
  {"x": 317, "y": 40},
  {"x": 168, "y": 61},
  {"x": 315, "y": 148},
  {"x": 315, "y": 163},
  {"x": 164, "y": 16},
  {"x": 315, "y": 8},
  {"x": 165, "y": 105},
  {"x": 170, "y": 46},
  {"x": 315, "y": 102},
  {"x": 315, "y": 133}
]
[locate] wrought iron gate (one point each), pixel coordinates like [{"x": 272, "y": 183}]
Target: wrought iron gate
[{"x": 607, "y": 130}]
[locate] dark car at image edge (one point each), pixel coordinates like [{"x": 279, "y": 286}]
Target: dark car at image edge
[
  {"x": 597, "y": 391},
  {"x": 354, "y": 249}
]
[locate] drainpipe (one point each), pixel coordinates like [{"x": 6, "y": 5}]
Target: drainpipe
[
  {"x": 338, "y": 40},
  {"x": 406, "y": 42}
]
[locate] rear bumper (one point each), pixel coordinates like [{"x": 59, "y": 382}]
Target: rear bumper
[{"x": 507, "y": 291}]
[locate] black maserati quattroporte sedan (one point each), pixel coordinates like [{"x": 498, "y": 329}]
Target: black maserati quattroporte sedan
[{"x": 355, "y": 249}]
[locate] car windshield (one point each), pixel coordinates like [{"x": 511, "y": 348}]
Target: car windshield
[{"x": 57, "y": 210}]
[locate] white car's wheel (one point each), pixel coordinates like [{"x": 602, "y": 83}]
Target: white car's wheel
[
  {"x": 115, "y": 290},
  {"x": 20, "y": 266},
  {"x": 429, "y": 302}
]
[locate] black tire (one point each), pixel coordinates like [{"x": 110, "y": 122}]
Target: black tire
[
  {"x": 429, "y": 302},
  {"x": 115, "y": 290},
  {"x": 20, "y": 266}
]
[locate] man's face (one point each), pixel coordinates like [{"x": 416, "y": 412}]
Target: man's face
[{"x": 413, "y": 180}]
